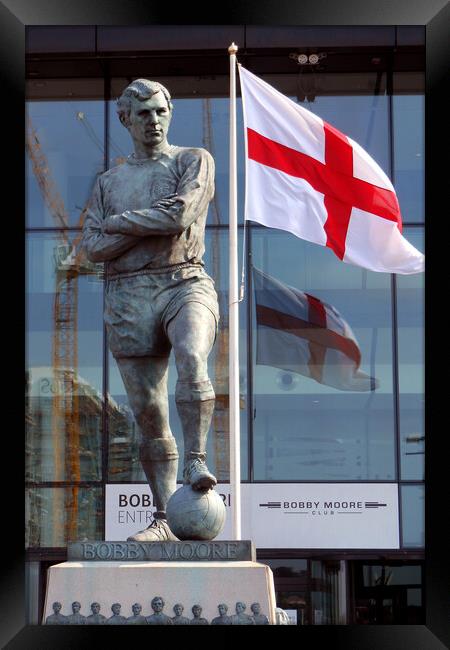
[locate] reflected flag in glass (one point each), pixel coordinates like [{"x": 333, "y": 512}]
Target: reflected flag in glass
[{"x": 299, "y": 333}]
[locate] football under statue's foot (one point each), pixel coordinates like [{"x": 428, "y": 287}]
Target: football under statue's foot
[
  {"x": 158, "y": 531},
  {"x": 198, "y": 475}
]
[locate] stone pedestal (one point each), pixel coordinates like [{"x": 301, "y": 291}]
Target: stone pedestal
[{"x": 200, "y": 579}]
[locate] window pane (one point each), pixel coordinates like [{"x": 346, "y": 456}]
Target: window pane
[
  {"x": 124, "y": 462},
  {"x": 392, "y": 575},
  {"x": 304, "y": 428},
  {"x": 413, "y": 515},
  {"x": 64, "y": 154},
  {"x": 64, "y": 362},
  {"x": 411, "y": 355},
  {"x": 55, "y": 516},
  {"x": 409, "y": 145},
  {"x": 288, "y": 568}
]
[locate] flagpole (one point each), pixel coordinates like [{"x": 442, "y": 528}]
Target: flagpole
[{"x": 235, "y": 446}]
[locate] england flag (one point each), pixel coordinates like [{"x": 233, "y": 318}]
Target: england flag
[
  {"x": 306, "y": 177},
  {"x": 299, "y": 333}
]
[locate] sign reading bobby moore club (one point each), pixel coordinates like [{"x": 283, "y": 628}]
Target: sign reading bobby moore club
[{"x": 283, "y": 515}]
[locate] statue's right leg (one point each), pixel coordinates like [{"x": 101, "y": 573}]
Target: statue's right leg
[{"x": 145, "y": 380}]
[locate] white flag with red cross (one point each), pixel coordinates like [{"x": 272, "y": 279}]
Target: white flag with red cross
[
  {"x": 306, "y": 177},
  {"x": 300, "y": 333}
]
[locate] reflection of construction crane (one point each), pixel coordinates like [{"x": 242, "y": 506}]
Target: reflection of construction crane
[
  {"x": 65, "y": 406},
  {"x": 120, "y": 157}
]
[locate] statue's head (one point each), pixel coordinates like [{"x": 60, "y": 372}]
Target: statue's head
[
  {"x": 196, "y": 610},
  {"x": 240, "y": 607},
  {"x": 178, "y": 609},
  {"x": 56, "y": 607},
  {"x": 145, "y": 109},
  {"x": 115, "y": 608},
  {"x": 157, "y": 604},
  {"x": 256, "y": 608},
  {"x": 76, "y": 606},
  {"x": 223, "y": 609},
  {"x": 95, "y": 607},
  {"x": 136, "y": 608}
]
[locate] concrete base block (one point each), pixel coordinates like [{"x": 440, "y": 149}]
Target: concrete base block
[{"x": 190, "y": 583}]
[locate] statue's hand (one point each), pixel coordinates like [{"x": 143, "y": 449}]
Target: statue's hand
[{"x": 166, "y": 202}]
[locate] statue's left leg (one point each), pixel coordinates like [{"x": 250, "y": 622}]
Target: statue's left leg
[{"x": 192, "y": 334}]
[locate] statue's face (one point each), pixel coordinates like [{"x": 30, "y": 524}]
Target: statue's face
[
  {"x": 56, "y": 607},
  {"x": 222, "y": 610},
  {"x": 196, "y": 610},
  {"x": 240, "y": 607},
  {"x": 178, "y": 609},
  {"x": 116, "y": 608},
  {"x": 157, "y": 605},
  {"x": 150, "y": 120},
  {"x": 76, "y": 607},
  {"x": 95, "y": 608},
  {"x": 256, "y": 608},
  {"x": 136, "y": 609}
]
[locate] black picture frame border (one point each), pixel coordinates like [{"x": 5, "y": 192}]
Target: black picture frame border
[{"x": 14, "y": 17}]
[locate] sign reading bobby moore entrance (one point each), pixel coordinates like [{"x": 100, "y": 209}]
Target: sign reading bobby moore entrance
[{"x": 284, "y": 515}]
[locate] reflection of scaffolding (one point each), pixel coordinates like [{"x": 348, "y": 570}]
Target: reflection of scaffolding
[
  {"x": 65, "y": 408},
  {"x": 221, "y": 434},
  {"x": 123, "y": 450}
]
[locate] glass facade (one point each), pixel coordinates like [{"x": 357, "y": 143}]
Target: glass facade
[
  {"x": 411, "y": 344},
  {"x": 387, "y": 593},
  {"x": 65, "y": 153},
  {"x": 57, "y": 515},
  {"x": 81, "y": 434},
  {"x": 356, "y": 439},
  {"x": 64, "y": 357}
]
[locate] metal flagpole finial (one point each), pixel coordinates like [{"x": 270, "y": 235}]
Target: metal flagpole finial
[{"x": 233, "y": 48}]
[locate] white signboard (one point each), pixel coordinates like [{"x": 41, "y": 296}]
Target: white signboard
[
  {"x": 129, "y": 508},
  {"x": 323, "y": 515},
  {"x": 283, "y": 515}
]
